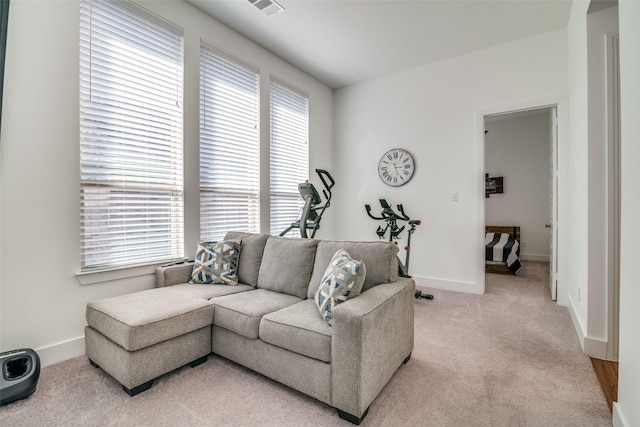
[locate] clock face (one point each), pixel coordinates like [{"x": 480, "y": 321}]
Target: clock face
[{"x": 396, "y": 167}]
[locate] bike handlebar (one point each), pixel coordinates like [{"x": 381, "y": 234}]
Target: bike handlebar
[
  {"x": 388, "y": 214},
  {"x": 368, "y": 208},
  {"x": 404, "y": 215},
  {"x": 322, "y": 174}
]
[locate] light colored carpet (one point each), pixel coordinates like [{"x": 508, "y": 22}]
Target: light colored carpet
[{"x": 508, "y": 358}]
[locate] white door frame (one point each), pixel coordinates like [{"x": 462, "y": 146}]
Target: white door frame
[
  {"x": 553, "y": 218},
  {"x": 613, "y": 195},
  {"x": 561, "y": 103}
]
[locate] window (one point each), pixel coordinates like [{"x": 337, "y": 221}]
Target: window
[
  {"x": 289, "y": 153},
  {"x": 131, "y": 164},
  {"x": 229, "y": 145}
]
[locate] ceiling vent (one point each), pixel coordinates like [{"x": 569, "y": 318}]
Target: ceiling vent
[{"x": 268, "y": 7}]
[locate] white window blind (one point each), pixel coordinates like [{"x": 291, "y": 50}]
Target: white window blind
[
  {"x": 289, "y": 154},
  {"x": 229, "y": 145},
  {"x": 131, "y": 65}
]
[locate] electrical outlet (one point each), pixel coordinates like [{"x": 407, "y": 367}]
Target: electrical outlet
[
  {"x": 524, "y": 244},
  {"x": 454, "y": 197}
]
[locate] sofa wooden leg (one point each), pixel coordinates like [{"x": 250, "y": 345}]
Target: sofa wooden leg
[
  {"x": 139, "y": 389},
  {"x": 352, "y": 418},
  {"x": 406, "y": 360},
  {"x": 199, "y": 361}
]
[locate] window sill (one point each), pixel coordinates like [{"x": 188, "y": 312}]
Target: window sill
[{"x": 108, "y": 275}]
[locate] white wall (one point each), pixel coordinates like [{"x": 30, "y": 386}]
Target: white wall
[
  {"x": 586, "y": 274},
  {"x": 42, "y": 301},
  {"x": 518, "y": 148},
  {"x": 600, "y": 25},
  {"x": 576, "y": 277},
  {"x": 433, "y": 111},
  {"x": 627, "y": 410}
]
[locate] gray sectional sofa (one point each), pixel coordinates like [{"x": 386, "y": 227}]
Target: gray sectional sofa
[{"x": 268, "y": 322}]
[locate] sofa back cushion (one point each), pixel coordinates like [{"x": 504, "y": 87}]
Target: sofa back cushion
[
  {"x": 379, "y": 257},
  {"x": 287, "y": 264},
  {"x": 250, "y": 255}
]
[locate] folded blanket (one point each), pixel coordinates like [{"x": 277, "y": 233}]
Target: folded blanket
[{"x": 503, "y": 247}]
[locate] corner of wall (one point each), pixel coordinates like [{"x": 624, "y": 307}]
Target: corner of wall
[
  {"x": 577, "y": 325},
  {"x": 618, "y": 416},
  {"x": 595, "y": 348},
  {"x": 59, "y": 352}
]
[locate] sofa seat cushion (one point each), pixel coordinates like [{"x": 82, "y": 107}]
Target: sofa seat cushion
[
  {"x": 298, "y": 328},
  {"x": 141, "y": 319},
  {"x": 211, "y": 291},
  {"x": 241, "y": 313}
]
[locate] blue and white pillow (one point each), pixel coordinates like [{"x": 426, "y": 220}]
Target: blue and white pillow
[
  {"x": 342, "y": 279},
  {"x": 217, "y": 263}
]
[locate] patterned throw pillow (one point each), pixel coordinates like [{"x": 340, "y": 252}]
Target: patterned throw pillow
[
  {"x": 342, "y": 279},
  {"x": 217, "y": 263}
]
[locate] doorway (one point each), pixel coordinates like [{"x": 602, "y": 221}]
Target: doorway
[
  {"x": 538, "y": 236},
  {"x": 519, "y": 154}
]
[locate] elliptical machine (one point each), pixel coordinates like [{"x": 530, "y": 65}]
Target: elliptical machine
[
  {"x": 310, "y": 217},
  {"x": 391, "y": 218}
]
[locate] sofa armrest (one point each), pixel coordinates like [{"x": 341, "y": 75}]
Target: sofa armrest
[
  {"x": 173, "y": 274},
  {"x": 372, "y": 335}
]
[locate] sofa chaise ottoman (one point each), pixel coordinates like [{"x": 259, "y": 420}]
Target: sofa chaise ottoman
[{"x": 270, "y": 321}]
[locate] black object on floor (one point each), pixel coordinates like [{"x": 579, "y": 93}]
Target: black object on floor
[
  {"x": 20, "y": 374},
  {"x": 419, "y": 295}
]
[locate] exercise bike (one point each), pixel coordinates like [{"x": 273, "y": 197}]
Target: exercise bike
[
  {"x": 391, "y": 218},
  {"x": 313, "y": 207}
]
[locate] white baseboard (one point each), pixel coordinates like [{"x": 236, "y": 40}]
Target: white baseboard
[
  {"x": 619, "y": 419},
  {"x": 576, "y": 323},
  {"x": 534, "y": 257},
  {"x": 62, "y": 351},
  {"x": 595, "y": 348},
  {"x": 447, "y": 285}
]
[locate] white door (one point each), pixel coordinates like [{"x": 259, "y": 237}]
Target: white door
[{"x": 553, "y": 225}]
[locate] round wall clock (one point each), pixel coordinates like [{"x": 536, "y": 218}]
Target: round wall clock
[{"x": 396, "y": 167}]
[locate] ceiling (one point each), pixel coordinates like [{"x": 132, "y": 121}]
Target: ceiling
[{"x": 342, "y": 42}]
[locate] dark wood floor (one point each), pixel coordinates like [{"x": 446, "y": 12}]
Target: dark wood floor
[{"x": 607, "y": 373}]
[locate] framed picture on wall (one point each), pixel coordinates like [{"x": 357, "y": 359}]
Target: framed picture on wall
[{"x": 493, "y": 185}]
